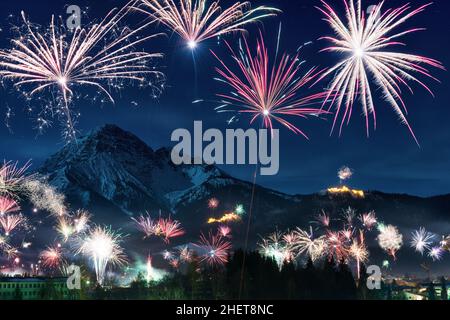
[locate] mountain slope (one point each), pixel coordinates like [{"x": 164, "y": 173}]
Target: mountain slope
[
  {"x": 114, "y": 168},
  {"x": 115, "y": 175}
]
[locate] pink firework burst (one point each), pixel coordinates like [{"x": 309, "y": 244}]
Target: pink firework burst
[
  {"x": 51, "y": 257},
  {"x": 186, "y": 255},
  {"x": 175, "y": 263},
  {"x": 270, "y": 93},
  {"x": 11, "y": 222},
  {"x": 168, "y": 228},
  {"x": 224, "y": 231},
  {"x": 8, "y": 205},
  {"x": 336, "y": 245},
  {"x": 146, "y": 225},
  {"x": 369, "y": 220},
  {"x": 368, "y": 46},
  {"x": 323, "y": 219},
  {"x": 213, "y": 203},
  {"x": 213, "y": 249}
]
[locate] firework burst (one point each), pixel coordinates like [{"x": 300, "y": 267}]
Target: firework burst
[
  {"x": 167, "y": 255},
  {"x": 102, "y": 247},
  {"x": 345, "y": 173},
  {"x": 366, "y": 43},
  {"x": 4, "y": 245},
  {"x": 51, "y": 257},
  {"x": 336, "y": 245},
  {"x": 169, "y": 228},
  {"x": 195, "y": 21},
  {"x": 213, "y": 203},
  {"x": 81, "y": 221},
  {"x": 270, "y": 93},
  {"x": 349, "y": 215},
  {"x": 185, "y": 254},
  {"x": 305, "y": 243},
  {"x": 12, "y": 178},
  {"x": 323, "y": 219},
  {"x": 369, "y": 220},
  {"x": 421, "y": 240},
  {"x": 445, "y": 243},
  {"x": 275, "y": 247},
  {"x": 239, "y": 210},
  {"x": 359, "y": 252},
  {"x": 101, "y": 56},
  {"x": 11, "y": 222},
  {"x": 436, "y": 253},
  {"x": 214, "y": 249},
  {"x": 8, "y": 205},
  {"x": 65, "y": 228},
  {"x": 389, "y": 239},
  {"x": 146, "y": 225},
  {"x": 224, "y": 231}
]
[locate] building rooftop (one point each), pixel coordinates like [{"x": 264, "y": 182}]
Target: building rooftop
[{"x": 31, "y": 279}]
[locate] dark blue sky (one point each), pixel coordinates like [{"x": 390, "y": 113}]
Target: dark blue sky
[{"x": 388, "y": 160}]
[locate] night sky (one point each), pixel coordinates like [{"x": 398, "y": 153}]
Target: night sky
[{"x": 389, "y": 160}]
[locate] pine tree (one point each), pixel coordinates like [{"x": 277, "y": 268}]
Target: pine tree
[
  {"x": 444, "y": 294},
  {"x": 431, "y": 293}
]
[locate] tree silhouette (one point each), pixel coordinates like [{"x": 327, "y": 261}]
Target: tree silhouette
[{"x": 444, "y": 294}]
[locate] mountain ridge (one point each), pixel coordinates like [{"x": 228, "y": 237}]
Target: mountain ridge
[{"x": 116, "y": 166}]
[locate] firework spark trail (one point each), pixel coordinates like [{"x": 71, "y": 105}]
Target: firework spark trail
[
  {"x": 421, "y": 240},
  {"x": 365, "y": 42},
  {"x": 268, "y": 92},
  {"x": 389, "y": 239},
  {"x": 195, "y": 21},
  {"x": 51, "y": 257},
  {"x": 8, "y": 205},
  {"x": 12, "y": 178},
  {"x": 11, "y": 222},
  {"x": 214, "y": 249},
  {"x": 102, "y": 247},
  {"x": 149, "y": 269},
  {"x": 359, "y": 252},
  {"x": 45, "y": 197},
  {"x": 100, "y": 56}
]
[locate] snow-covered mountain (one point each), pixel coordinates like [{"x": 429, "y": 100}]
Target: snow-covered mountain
[
  {"x": 114, "y": 174},
  {"x": 118, "y": 167}
]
